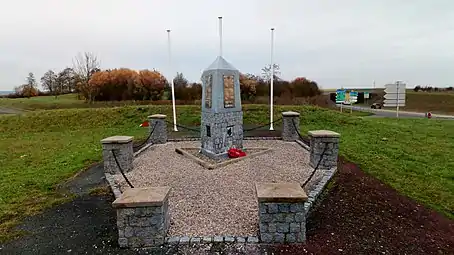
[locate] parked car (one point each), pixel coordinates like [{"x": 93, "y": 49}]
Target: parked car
[{"x": 376, "y": 106}]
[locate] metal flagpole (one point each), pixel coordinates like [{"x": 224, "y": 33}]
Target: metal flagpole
[
  {"x": 220, "y": 36},
  {"x": 272, "y": 80},
  {"x": 171, "y": 84}
]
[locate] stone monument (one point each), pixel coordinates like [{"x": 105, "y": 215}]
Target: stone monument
[{"x": 222, "y": 116}]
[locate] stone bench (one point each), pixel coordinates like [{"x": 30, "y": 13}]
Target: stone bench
[
  {"x": 143, "y": 217},
  {"x": 282, "y": 218}
]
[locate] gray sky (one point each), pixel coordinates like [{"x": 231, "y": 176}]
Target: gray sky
[{"x": 346, "y": 43}]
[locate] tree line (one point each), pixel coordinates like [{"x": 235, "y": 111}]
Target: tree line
[
  {"x": 93, "y": 84},
  {"x": 431, "y": 89}
]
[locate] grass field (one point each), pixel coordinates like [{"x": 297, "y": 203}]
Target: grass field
[
  {"x": 67, "y": 101},
  {"x": 433, "y": 102},
  {"x": 40, "y": 149}
]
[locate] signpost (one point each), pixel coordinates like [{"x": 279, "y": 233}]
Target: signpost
[
  {"x": 353, "y": 99},
  {"x": 340, "y": 97},
  {"x": 395, "y": 95},
  {"x": 366, "y": 96}
]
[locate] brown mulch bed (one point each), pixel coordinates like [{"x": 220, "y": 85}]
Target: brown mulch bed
[{"x": 362, "y": 215}]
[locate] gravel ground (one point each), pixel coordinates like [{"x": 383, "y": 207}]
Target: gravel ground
[
  {"x": 221, "y": 201},
  {"x": 341, "y": 224}
]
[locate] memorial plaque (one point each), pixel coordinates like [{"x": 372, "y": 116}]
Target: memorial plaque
[
  {"x": 208, "y": 88},
  {"x": 229, "y": 91}
]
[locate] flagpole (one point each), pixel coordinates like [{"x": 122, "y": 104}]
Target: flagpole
[
  {"x": 220, "y": 36},
  {"x": 171, "y": 84},
  {"x": 272, "y": 80}
]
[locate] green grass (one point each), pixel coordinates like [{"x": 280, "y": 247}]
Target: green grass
[
  {"x": 40, "y": 149},
  {"x": 67, "y": 101}
]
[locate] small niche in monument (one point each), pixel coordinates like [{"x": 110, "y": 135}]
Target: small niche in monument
[
  {"x": 208, "y": 130},
  {"x": 229, "y": 131}
]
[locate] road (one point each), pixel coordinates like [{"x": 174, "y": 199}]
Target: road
[
  {"x": 4, "y": 110},
  {"x": 392, "y": 113}
]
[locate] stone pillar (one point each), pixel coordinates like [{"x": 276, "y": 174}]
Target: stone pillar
[
  {"x": 282, "y": 218},
  {"x": 143, "y": 217},
  {"x": 159, "y": 135},
  {"x": 319, "y": 140},
  {"x": 122, "y": 146},
  {"x": 289, "y": 133}
]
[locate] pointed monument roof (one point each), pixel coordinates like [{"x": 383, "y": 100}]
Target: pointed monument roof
[{"x": 221, "y": 64}]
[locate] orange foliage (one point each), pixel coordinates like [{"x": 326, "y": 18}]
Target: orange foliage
[
  {"x": 124, "y": 84},
  {"x": 248, "y": 86}
]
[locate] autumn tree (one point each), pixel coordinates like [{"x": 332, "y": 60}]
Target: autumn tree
[
  {"x": 180, "y": 84},
  {"x": 302, "y": 87},
  {"x": 195, "y": 91},
  {"x": 153, "y": 83},
  {"x": 49, "y": 83},
  {"x": 125, "y": 84},
  {"x": 67, "y": 80},
  {"x": 248, "y": 86},
  {"x": 30, "y": 89}
]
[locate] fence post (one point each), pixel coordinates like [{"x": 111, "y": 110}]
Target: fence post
[
  {"x": 143, "y": 216},
  {"x": 289, "y": 121},
  {"x": 324, "y": 141},
  {"x": 158, "y": 123},
  {"x": 282, "y": 218},
  {"x": 122, "y": 146}
]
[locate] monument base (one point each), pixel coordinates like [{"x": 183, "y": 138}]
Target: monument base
[
  {"x": 209, "y": 162},
  {"x": 212, "y": 155},
  {"x": 220, "y": 132}
]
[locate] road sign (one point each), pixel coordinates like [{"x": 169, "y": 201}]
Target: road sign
[
  {"x": 395, "y": 95},
  {"x": 340, "y": 96},
  {"x": 393, "y": 102},
  {"x": 366, "y": 95},
  {"x": 353, "y": 97}
]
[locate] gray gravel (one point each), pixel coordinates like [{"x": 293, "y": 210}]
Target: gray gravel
[{"x": 221, "y": 201}]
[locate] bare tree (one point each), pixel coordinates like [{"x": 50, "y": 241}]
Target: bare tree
[
  {"x": 84, "y": 66},
  {"x": 266, "y": 72}
]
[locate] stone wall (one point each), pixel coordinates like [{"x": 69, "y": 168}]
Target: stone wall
[
  {"x": 282, "y": 218},
  {"x": 326, "y": 143},
  {"x": 216, "y": 141},
  {"x": 122, "y": 147},
  {"x": 143, "y": 217},
  {"x": 158, "y": 126},
  {"x": 282, "y": 222},
  {"x": 290, "y": 120}
]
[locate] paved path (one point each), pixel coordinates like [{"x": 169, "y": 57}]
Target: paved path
[
  {"x": 4, "y": 110},
  {"x": 392, "y": 113}
]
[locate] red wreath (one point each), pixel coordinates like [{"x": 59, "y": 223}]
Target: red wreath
[
  {"x": 236, "y": 153},
  {"x": 145, "y": 124}
]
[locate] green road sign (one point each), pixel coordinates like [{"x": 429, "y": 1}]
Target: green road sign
[{"x": 340, "y": 96}]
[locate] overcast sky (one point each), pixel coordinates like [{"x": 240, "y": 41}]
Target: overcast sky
[{"x": 346, "y": 43}]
